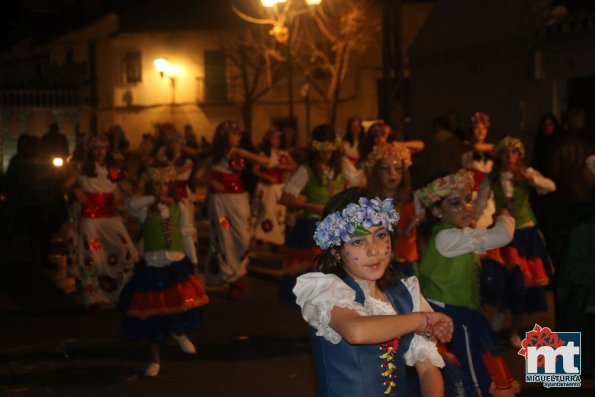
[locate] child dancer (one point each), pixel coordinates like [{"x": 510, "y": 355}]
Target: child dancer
[
  {"x": 387, "y": 171},
  {"x": 106, "y": 254},
  {"x": 353, "y": 136},
  {"x": 318, "y": 179},
  {"x": 183, "y": 166},
  {"x": 365, "y": 325},
  {"x": 228, "y": 206},
  {"x": 269, "y": 222},
  {"x": 478, "y": 159},
  {"x": 448, "y": 275},
  {"x": 163, "y": 297},
  {"x": 381, "y": 133},
  {"x": 527, "y": 253}
]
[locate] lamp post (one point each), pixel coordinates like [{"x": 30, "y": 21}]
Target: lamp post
[
  {"x": 281, "y": 31},
  {"x": 163, "y": 67}
]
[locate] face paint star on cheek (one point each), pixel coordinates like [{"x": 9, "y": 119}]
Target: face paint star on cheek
[
  {"x": 355, "y": 258},
  {"x": 386, "y": 253}
]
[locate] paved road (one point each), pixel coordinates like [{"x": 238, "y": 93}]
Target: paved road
[{"x": 255, "y": 346}]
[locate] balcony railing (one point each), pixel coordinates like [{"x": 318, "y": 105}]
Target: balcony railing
[{"x": 40, "y": 98}]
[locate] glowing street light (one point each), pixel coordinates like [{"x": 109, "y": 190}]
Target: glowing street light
[{"x": 161, "y": 65}]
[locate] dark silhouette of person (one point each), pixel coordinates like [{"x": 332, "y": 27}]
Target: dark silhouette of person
[{"x": 54, "y": 143}]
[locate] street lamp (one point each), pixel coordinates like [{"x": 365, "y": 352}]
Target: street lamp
[
  {"x": 160, "y": 65},
  {"x": 163, "y": 67},
  {"x": 281, "y": 33}
]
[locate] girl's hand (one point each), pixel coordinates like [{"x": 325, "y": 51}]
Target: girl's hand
[
  {"x": 521, "y": 174},
  {"x": 443, "y": 327},
  {"x": 438, "y": 325}
]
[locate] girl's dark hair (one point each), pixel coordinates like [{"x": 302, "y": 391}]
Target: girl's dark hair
[
  {"x": 349, "y": 137},
  {"x": 265, "y": 145},
  {"x": 553, "y": 118},
  {"x": 88, "y": 167},
  {"x": 366, "y": 145},
  {"x": 180, "y": 161},
  {"x": 326, "y": 262},
  {"x": 221, "y": 140},
  {"x": 123, "y": 145},
  {"x": 325, "y": 133}
]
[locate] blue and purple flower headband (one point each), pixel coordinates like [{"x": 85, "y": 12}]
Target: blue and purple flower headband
[{"x": 355, "y": 220}]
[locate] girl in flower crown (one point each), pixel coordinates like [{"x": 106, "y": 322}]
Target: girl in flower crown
[
  {"x": 448, "y": 275},
  {"x": 380, "y": 133},
  {"x": 228, "y": 207},
  {"x": 164, "y": 297},
  {"x": 526, "y": 256},
  {"x": 387, "y": 172},
  {"x": 308, "y": 189},
  {"x": 366, "y": 326},
  {"x": 269, "y": 222},
  {"x": 106, "y": 254}
]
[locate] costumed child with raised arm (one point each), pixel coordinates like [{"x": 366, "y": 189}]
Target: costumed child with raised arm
[
  {"x": 366, "y": 325},
  {"x": 164, "y": 298},
  {"x": 228, "y": 208},
  {"x": 449, "y": 274},
  {"x": 526, "y": 256}
]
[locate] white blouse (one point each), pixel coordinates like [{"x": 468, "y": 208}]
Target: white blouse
[
  {"x": 453, "y": 242},
  {"x": 318, "y": 293}
]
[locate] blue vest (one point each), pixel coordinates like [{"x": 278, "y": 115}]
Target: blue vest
[{"x": 345, "y": 370}]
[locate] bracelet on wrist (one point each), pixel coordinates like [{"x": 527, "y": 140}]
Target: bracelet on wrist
[{"x": 428, "y": 331}]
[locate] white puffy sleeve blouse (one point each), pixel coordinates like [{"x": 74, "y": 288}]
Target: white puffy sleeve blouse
[{"x": 318, "y": 293}]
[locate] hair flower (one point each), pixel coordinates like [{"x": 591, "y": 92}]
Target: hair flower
[
  {"x": 355, "y": 220},
  {"x": 442, "y": 187}
]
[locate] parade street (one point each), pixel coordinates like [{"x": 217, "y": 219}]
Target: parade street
[{"x": 253, "y": 346}]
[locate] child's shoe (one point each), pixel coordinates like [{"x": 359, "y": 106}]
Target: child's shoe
[
  {"x": 185, "y": 344},
  {"x": 152, "y": 370}
]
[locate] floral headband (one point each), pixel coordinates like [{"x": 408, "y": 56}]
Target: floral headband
[
  {"x": 162, "y": 174},
  {"x": 395, "y": 149},
  {"x": 325, "y": 146},
  {"x": 354, "y": 220},
  {"x": 439, "y": 188},
  {"x": 480, "y": 118},
  {"x": 380, "y": 128},
  {"x": 510, "y": 142}
]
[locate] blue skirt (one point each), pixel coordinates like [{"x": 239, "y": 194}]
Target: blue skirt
[{"x": 159, "y": 301}]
